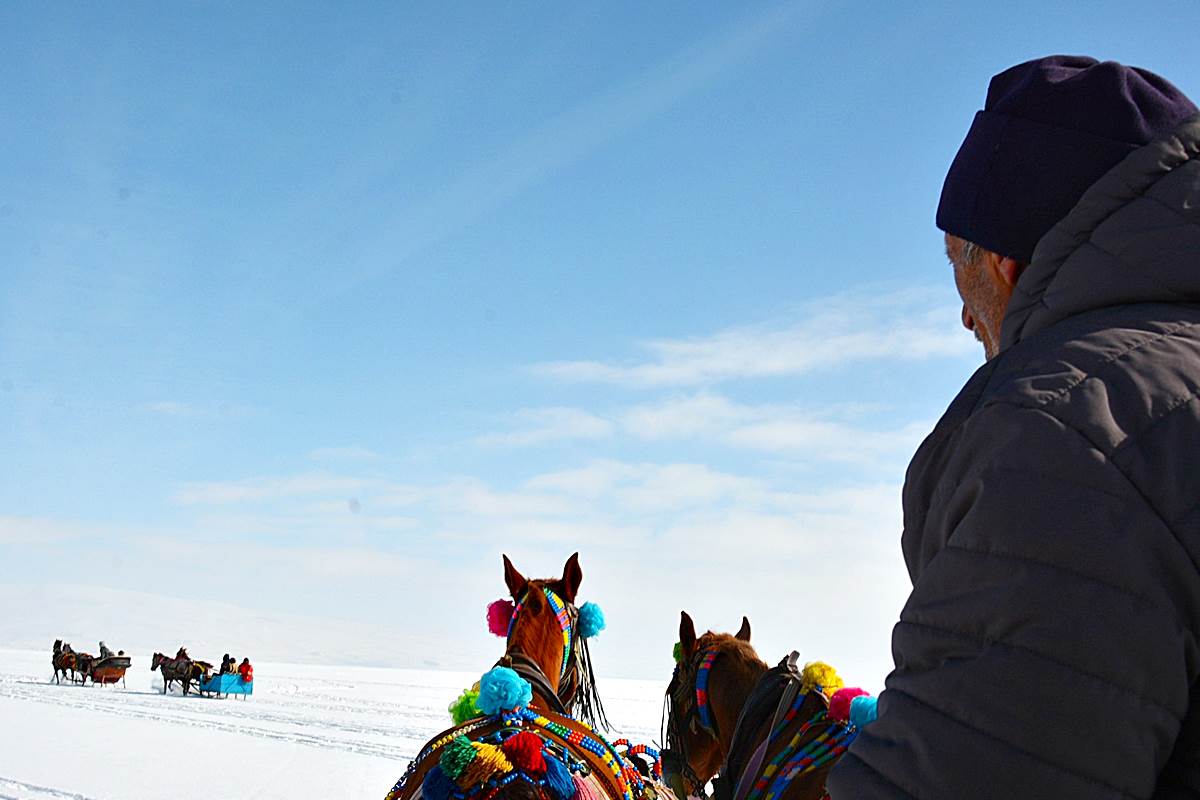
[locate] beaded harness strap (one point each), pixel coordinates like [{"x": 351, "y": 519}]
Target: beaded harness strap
[{"x": 703, "y": 706}]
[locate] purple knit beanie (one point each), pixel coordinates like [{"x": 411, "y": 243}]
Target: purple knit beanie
[{"x": 1049, "y": 129}]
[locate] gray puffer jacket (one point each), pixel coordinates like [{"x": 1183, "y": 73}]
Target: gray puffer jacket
[{"x": 1052, "y": 526}]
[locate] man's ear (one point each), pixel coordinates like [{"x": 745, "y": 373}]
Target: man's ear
[{"x": 1004, "y": 269}]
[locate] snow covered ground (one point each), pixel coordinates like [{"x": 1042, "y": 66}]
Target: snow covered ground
[{"x": 308, "y": 732}]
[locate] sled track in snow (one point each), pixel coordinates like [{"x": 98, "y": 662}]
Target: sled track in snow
[
  {"x": 389, "y": 730},
  {"x": 17, "y": 790}
]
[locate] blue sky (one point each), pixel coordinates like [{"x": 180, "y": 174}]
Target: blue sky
[{"x": 359, "y": 300}]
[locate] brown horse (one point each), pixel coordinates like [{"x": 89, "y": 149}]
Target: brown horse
[
  {"x": 181, "y": 669},
  {"x": 530, "y": 748},
  {"x": 62, "y": 658},
  {"x": 83, "y": 666},
  {"x": 754, "y": 731}
]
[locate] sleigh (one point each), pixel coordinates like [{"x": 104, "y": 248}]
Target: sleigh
[
  {"x": 225, "y": 685},
  {"x": 110, "y": 670}
]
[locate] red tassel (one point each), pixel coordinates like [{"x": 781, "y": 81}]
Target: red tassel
[{"x": 524, "y": 750}]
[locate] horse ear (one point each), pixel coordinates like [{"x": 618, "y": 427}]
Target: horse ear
[
  {"x": 744, "y": 632},
  {"x": 571, "y": 578},
  {"x": 687, "y": 636},
  {"x": 516, "y": 581}
]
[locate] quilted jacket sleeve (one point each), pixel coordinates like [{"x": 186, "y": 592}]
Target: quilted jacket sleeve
[{"x": 1042, "y": 652}]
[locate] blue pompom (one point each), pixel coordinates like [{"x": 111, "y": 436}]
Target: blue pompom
[
  {"x": 863, "y": 710},
  {"x": 436, "y": 786},
  {"x": 558, "y": 779},
  {"x": 591, "y": 620},
  {"x": 501, "y": 689}
]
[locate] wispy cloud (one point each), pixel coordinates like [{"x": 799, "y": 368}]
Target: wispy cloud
[
  {"x": 838, "y": 331},
  {"x": 351, "y": 453},
  {"x": 260, "y": 489},
  {"x": 173, "y": 408},
  {"x": 829, "y": 434},
  {"x": 562, "y": 140},
  {"x": 185, "y": 410},
  {"x": 41, "y": 530},
  {"x": 541, "y": 425}
]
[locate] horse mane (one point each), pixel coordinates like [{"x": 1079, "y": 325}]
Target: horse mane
[{"x": 727, "y": 644}]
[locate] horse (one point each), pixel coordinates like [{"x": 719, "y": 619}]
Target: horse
[
  {"x": 63, "y": 660},
  {"x": 756, "y": 732},
  {"x": 83, "y": 666},
  {"x": 515, "y": 737},
  {"x": 180, "y": 668}
]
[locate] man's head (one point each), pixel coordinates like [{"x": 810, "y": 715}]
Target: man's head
[
  {"x": 1049, "y": 129},
  {"x": 985, "y": 282}
]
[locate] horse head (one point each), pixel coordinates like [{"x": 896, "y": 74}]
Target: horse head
[
  {"x": 158, "y": 659},
  {"x": 547, "y": 639},
  {"x": 714, "y": 675},
  {"x": 57, "y": 646}
]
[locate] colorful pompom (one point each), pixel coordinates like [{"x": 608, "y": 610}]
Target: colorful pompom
[
  {"x": 863, "y": 711},
  {"x": 819, "y": 675},
  {"x": 501, "y": 689},
  {"x": 465, "y": 707},
  {"x": 456, "y": 756},
  {"x": 558, "y": 780},
  {"x": 489, "y": 760},
  {"x": 524, "y": 750},
  {"x": 436, "y": 785},
  {"x": 839, "y": 704},
  {"x": 591, "y": 620},
  {"x": 677, "y": 652},
  {"x": 499, "y": 614}
]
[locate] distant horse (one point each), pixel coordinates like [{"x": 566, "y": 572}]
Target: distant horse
[
  {"x": 63, "y": 661},
  {"x": 754, "y": 731},
  {"x": 516, "y": 740},
  {"x": 83, "y": 666},
  {"x": 180, "y": 669}
]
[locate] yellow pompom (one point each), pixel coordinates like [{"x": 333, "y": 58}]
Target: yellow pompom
[
  {"x": 489, "y": 760},
  {"x": 819, "y": 675}
]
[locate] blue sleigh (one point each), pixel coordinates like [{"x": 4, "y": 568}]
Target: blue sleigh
[{"x": 225, "y": 685}]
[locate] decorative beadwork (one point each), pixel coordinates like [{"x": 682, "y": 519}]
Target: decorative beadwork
[
  {"x": 594, "y": 744},
  {"x": 793, "y": 760},
  {"x": 702, "y": 704}
]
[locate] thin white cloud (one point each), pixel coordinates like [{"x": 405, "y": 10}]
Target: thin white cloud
[
  {"x": 352, "y": 453},
  {"x": 261, "y": 489},
  {"x": 542, "y": 425},
  {"x": 827, "y": 434},
  {"x": 562, "y": 140},
  {"x": 173, "y": 408},
  {"x": 42, "y": 530},
  {"x": 834, "y": 332}
]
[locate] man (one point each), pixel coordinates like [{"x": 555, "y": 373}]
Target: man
[
  {"x": 1052, "y": 519},
  {"x": 246, "y": 671},
  {"x": 104, "y": 651}
]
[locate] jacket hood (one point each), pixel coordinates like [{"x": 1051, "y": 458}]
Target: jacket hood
[{"x": 1133, "y": 237}]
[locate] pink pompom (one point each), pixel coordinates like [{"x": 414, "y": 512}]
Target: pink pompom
[
  {"x": 499, "y": 615},
  {"x": 839, "y": 704}
]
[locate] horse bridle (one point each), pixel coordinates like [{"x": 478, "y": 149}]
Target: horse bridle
[
  {"x": 689, "y": 706},
  {"x": 530, "y": 670}
]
